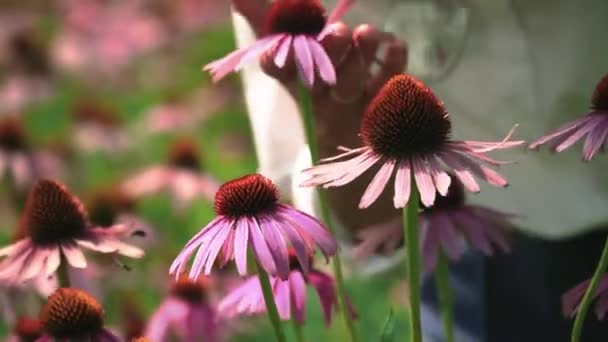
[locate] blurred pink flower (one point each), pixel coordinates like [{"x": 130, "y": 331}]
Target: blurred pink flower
[
  {"x": 594, "y": 125},
  {"x": 98, "y": 129},
  {"x": 55, "y": 224},
  {"x": 248, "y": 215},
  {"x": 73, "y": 315},
  {"x": 301, "y": 23},
  {"x": 18, "y": 91},
  {"x": 572, "y": 298},
  {"x": 444, "y": 227},
  {"x": 406, "y": 128},
  {"x": 19, "y": 160},
  {"x": 182, "y": 176},
  {"x": 186, "y": 312},
  {"x": 289, "y": 295}
]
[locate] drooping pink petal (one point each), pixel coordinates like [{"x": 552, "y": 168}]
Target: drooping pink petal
[
  {"x": 595, "y": 139},
  {"x": 482, "y": 171},
  {"x": 301, "y": 248},
  {"x": 461, "y": 172},
  {"x": 241, "y": 241},
  {"x": 568, "y": 127},
  {"x": 339, "y": 173},
  {"x": 601, "y": 306},
  {"x": 324, "y": 284},
  {"x": 202, "y": 253},
  {"x": 403, "y": 183},
  {"x": 260, "y": 247},
  {"x": 282, "y": 298},
  {"x": 440, "y": 178},
  {"x": 324, "y": 64},
  {"x": 227, "y": 251},
  {"x": 577, "y": 135},
  {"x": 377, "y": 185},
  {"x": 473, "y": 230},
  {"x": 297, "y": 286},
  {"x": 430, "y": 248},
  {"x": 304, "y": 59},
  {"x": 571, "y": 298},
  {"x": 36, "y": 264},
  {"x": 449, "y": 240},
  {"x": 15, "y": 248},
  {"x": 215, "y": 246},
  {"x": 182, "y": 258},
  {"x": 277, "y": 246},
  {"x": 313, "y": 228},
  {"x": 159, "y": 325},
  {"x": 52, "y": 262},
  {"x": 231, "y": 304},
  {"x": 424, "y": 182},
  {"x": 282, "y": 52}
]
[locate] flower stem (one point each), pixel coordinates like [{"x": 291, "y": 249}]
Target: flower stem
[
  {"x": 297, "y": 328},
  {"x": 311, "y": 138},
  {"x": 586, "y": 302},
  {"x": 271, "y": 307},
  {"x": 63, "y": 275},
  {"x": 445, "y": 296},
  {"x": 410, "y": 233}
]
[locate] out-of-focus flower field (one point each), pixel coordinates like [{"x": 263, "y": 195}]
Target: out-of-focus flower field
[{"x": 166, "y": 72}]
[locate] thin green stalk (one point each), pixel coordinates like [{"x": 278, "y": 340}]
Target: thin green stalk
[
  {"x": 297, "y": 328},
  {"x": 63, "y": 275},
  {"x": 313, "y": 145},
  {"x": 445, "y": 296},
  {"x": 410, "y": 233},
  {"x": 271, "y": 307},
  {"x": 588, "y": 297}
]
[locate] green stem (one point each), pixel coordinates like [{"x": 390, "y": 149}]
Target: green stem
[
  {"x": 63, "y": 275},
  {"x": 445, "y": 296},
  {"x": 410, "y": 233},
  {"x": 313, "y": 145},
  {"x": 271, "y": 307},
  {"x": 297, "y": 328},
  {"x": 586, "y": 302}
]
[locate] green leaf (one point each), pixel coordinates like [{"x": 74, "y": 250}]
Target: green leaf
[{"x": 388, "y": 330}]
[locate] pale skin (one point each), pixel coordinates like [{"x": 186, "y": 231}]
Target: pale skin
[{"x": 339, "y": 108}]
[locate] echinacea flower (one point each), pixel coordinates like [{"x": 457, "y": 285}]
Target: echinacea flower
[
  {"x": 572, "y": 298},
  {"x": 182, "y": 176},
  {"x": 298, "y": 23},
  {"x": 289, "y": 295},
  {"x": 27, "y": 329},
  {"x": 98, "y": 129},
  {"x": 407, "y": 128},
  {"x": 55, "y": 225},
  {"x": 248, "y": 215},
  {"x": 73, "y": 315},
  {"x": 186, "y": 313},
  {"x": 444, "y": 226},
  {"x": 20, "y": 160},
  {"x": 593, "y": 126}
]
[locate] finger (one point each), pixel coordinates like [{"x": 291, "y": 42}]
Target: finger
[
  {"x": 286, "y": 74},
  {"x": 254, "y": 11},
  {"x": 394, "y": 62},
  {"x": 336, "y": 45}
]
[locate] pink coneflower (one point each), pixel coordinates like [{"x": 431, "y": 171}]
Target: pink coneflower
[
  {"x": 73, "y": 315},
  {"x": 407, "y": 128},
  {"x": 182, "y": 176},
  {"x": 301, "y": 23},
  {"x": 98, "y": 128},
  {"x": 186, "y": 313},
  {"x": 55, "y": 225},
  {"x": 444, "y": 227},
  {"x": 289, "y": 295},
  {"x": 571, "y": 299},
  {"x": 594, "y": 125},
  {"x": 248, "y": 215},
  {"x": 19, "y": 160},
  {"x": 27, "y": 329}
]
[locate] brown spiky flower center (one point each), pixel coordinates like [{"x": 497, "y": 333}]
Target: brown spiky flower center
[
  {"x": 454, "y": 199},
  {"x": 71, "y": 314},
  {"x": 52, "y": 214},
  {"x": 599, "y": 101},
  {"x": 405, "y": 119},
  {"x": 28, "y": 329},
  {"x": 295, "y": 17},
  {"x": 12, "y": 135},
  {"x": 190, "y": 291},
  {"x": 184, "y": 154},
  {"x": 105, "y": 206},
  {"x": 246, "y": 196}
]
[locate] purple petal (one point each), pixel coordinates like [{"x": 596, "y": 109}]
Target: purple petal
[
  {"x": 566, "y": 128},
  {"x": 448, "y": 238},
  {"x": 461, "y": 172},
  {"x": 203, "y": 252},
  {"x": 230, "y": 304},
  {"x": 474, "y": 230},
  {"x": 576, "y": 135},
  {"x": 324, "y": 64},
  {"x": 424, "y": 182},
  {"x": 596, "y": 139},
  {"x": 601, "y": 306},
  {"x": 308, "y": 225},
  {"x": 241, "y": 242},
  {"x": 36, "y": 264},
  {"x": 324, "y": 284},
  {"x": 260, "y": 247},
  {"x": 277, "y": 246},
  {"x": 339, "y": 173},
  {"x": 430, "y": 248},
  {"x": 482, "y": 171},
  {"x": 377, "y": 184},
  {"x": 106, "y": 336},
  {"x": 440, "y": 178},
  {"x": 171, "y": 310},
  {"x": 215, "y": 246},
  {"x": 403, "y": 183},
  {"x": 282, "y": 52},
  {"x": 297, "y": 286},
  {"x": 298, "y": 242},
  {"x": 227, "y": 251},
  {"x": 282, "y": 298},
  {"x": 304, "y": 59},
  {"x": 52, "y": 262}
]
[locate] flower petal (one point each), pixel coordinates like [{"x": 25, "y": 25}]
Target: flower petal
[
  {"x": 241, "y": 241},
  {"x": 403, "y": 183},
  {"x": 260, "y": 247},
  {"x": 282, "y": 52},
  {"x": 304, "y": 59},
  {"x": 377, "y": 185},
  {"x": 324, "y": 64},
  {"x": 74, "y": 255},
  {"x": 276, "y": 244},
  {"x": 424, "y": 182}
]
